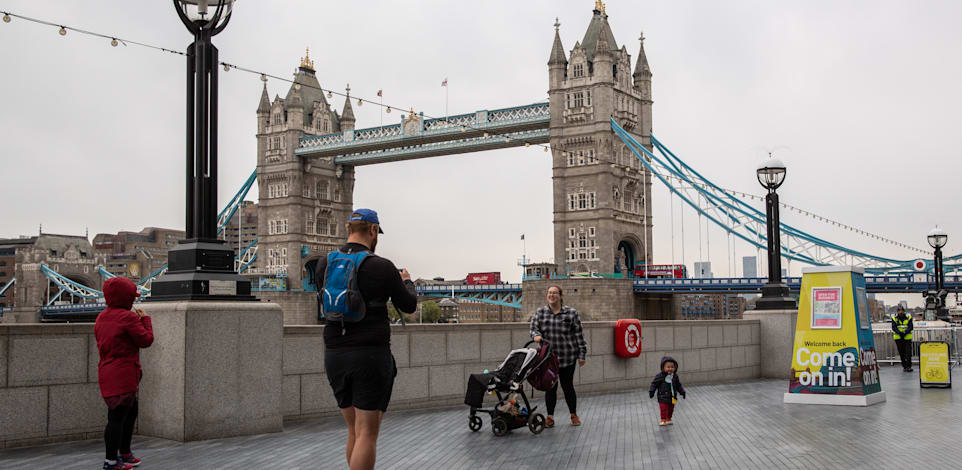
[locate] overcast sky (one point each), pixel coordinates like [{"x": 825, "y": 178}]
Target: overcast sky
[{"x": 860, "y": 99}]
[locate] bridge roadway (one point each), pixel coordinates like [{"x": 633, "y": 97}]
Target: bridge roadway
[
  {"x": 509, "y": 295},
  {"x": 883, "y": 283},
  {"x": 722, "y": 426},
  {"x": 416, "y": 137}
]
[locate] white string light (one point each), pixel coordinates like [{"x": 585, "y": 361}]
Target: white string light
[{"x": 114, "y": 41}]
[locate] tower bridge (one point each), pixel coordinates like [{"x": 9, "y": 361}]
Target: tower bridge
[
  {"x": 307, "y": 153},
  {"x": 597, "y": 124}
]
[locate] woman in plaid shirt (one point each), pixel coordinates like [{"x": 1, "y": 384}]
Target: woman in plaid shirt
[{"x": 560, "y": 325}]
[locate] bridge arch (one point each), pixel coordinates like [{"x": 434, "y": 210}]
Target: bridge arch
[
  {"x": 54, "y": 293},
  {"x": 630, "y": 250}
]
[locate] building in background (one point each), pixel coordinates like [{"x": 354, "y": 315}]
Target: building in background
[
  {"x": 8, "y": 265},
  {"x": 540, "y": 270},
  {"x": 70, "y": 255},
  {"x": 136, "y": 255},
  {"x": 749, "y": 266},
  {"x": 709, "y": 306},
  {"x": 703, "y": 270},
  {"x": 241, "y": 237}
]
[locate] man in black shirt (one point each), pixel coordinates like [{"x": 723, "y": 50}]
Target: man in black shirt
[{"x": 357, "y": 356}]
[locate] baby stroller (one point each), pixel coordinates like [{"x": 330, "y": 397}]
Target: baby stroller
[{"x": 513, "y": 409}]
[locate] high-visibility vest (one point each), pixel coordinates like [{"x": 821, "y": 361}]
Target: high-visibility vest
[{"x": 901, "y": 326}]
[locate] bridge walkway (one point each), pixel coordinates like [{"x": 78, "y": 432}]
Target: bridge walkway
[{"x": 737, "y": 425}]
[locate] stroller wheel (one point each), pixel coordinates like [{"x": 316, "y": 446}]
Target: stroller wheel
[
  {"x": 499, "y": 427},
  {"x": 536, "y": 423},
  {"x": 474, "y": 423}
]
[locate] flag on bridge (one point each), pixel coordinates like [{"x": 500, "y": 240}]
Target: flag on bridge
[
  {"x": 379, "y": 93},
  {"x": 445, "y": 82}
]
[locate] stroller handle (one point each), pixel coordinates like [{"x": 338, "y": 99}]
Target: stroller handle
[{"x": 544, "y": 341}]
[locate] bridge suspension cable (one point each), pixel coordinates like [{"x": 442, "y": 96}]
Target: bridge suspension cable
[{"x": 747, "y": 222}]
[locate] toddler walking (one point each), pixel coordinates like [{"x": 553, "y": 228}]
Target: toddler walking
[{"x": 668, "y": 386}]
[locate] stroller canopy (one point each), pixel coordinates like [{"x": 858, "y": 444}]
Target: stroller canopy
[{"x": 514, "y": 367}]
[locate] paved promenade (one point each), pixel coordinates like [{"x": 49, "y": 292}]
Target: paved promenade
[{"x": 741, "y": 425}]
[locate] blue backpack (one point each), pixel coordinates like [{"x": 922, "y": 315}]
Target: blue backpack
[{"x": 339, "y": 293}]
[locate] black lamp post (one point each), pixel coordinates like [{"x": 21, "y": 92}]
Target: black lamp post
[
  {"x": 201, "y": 267},
  {"x": 935, "y": 299},
  {"x": 771, "y": 175}
]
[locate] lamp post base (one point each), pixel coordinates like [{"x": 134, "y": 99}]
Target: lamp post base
[
  {"x": 775, "y": 297},
  {"x": 201, "y": 270}
]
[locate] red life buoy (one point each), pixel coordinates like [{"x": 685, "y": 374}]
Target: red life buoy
[{"x": 628, "y": 337}]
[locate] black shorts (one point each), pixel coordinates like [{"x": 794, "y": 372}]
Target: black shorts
[{"x": 361, "y": 377}]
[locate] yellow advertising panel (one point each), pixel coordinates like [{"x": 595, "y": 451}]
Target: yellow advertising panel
[
  {"x": 833, "y": 360},
  {"x": 934, "y": 368}
]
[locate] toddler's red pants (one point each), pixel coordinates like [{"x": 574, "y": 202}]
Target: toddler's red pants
[{"x": 666, "y": 409}]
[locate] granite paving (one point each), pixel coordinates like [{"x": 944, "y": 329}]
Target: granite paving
[{"x": 741, "y": 425}]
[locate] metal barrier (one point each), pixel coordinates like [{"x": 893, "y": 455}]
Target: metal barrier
[{"x": 887, "y": 352}]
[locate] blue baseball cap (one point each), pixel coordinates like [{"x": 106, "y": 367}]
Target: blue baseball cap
[{"x": 366, "y": 215}]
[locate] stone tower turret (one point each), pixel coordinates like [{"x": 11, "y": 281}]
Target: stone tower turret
[
  {"x": 557, "y": 63},
  {"x": 347, "y": 115},
  {"x": 642, "y": 82},
  {"x": 601, "y": 191},
  {"x": 303, "y": 204}
]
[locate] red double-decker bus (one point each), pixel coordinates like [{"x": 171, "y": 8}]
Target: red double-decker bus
[{"x": 676, "y": 271}]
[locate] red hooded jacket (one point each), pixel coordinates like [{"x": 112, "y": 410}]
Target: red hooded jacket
[{"x": 120, "y": 334}]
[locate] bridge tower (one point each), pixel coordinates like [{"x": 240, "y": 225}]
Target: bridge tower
[
  {"x": 303, "y": 205},
  {"x": 602, "y": 219}
]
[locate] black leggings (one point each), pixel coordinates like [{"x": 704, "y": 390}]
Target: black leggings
[
  {"x": 905, "y": 352},
  {"x": 566, "y": 376},
  {"x": 120, "y": 429}
]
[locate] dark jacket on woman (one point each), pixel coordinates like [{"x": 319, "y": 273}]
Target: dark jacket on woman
[
  {"x": 120, "y": 334},
  {"x": 663, "y": 388}
]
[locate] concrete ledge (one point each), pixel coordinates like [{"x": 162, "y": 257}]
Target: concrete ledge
[
  {"x": 776, "y": 340},
  {"x": 433, "y": 362},
  {"x": 215, "y": 370},
  {"x": 826, "y": 399}
]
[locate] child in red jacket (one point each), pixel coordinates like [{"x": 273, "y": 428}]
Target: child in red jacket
[{"x": 120, "y": 334}]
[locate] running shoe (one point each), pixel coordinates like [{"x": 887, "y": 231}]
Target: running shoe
[{"x": 129, "y": 459}]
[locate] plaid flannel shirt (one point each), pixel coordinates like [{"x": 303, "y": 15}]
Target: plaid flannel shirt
[{"x": 563, "y": 331}]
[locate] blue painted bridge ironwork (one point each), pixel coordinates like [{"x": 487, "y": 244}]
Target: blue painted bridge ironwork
[
  {"x": 416, "y": 137},
  {"x": 887, "y": 283},
  {"x": 507, "y": 295}
]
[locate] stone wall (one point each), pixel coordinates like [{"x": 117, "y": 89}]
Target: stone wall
[
  {"x": 434, "y": 361},
  {"x": 48, "y": 384},
  {"x": 300, "y": 307},
  {"x": 49, "y": 391},
  {"x": 593, "y": 298}
]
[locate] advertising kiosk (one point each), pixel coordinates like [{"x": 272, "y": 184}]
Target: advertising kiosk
[{"x": 833, "y": 361}]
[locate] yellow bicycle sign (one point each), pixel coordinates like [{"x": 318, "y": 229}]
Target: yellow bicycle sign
[{"x": 934, "y": 368}]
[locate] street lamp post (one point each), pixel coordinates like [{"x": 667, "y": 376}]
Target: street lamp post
[
  {"x": 935, "y": 299},
  {"x": 201, "y": 267},
  {"x": 771, "y": 175}
]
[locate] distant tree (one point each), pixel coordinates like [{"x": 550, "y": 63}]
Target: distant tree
[
  {"x": 392, "y": 314},
  {"x": 430, "y": 312}
]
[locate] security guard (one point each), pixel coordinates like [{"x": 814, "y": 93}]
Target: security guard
[{"x": 902, "y": 333}]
